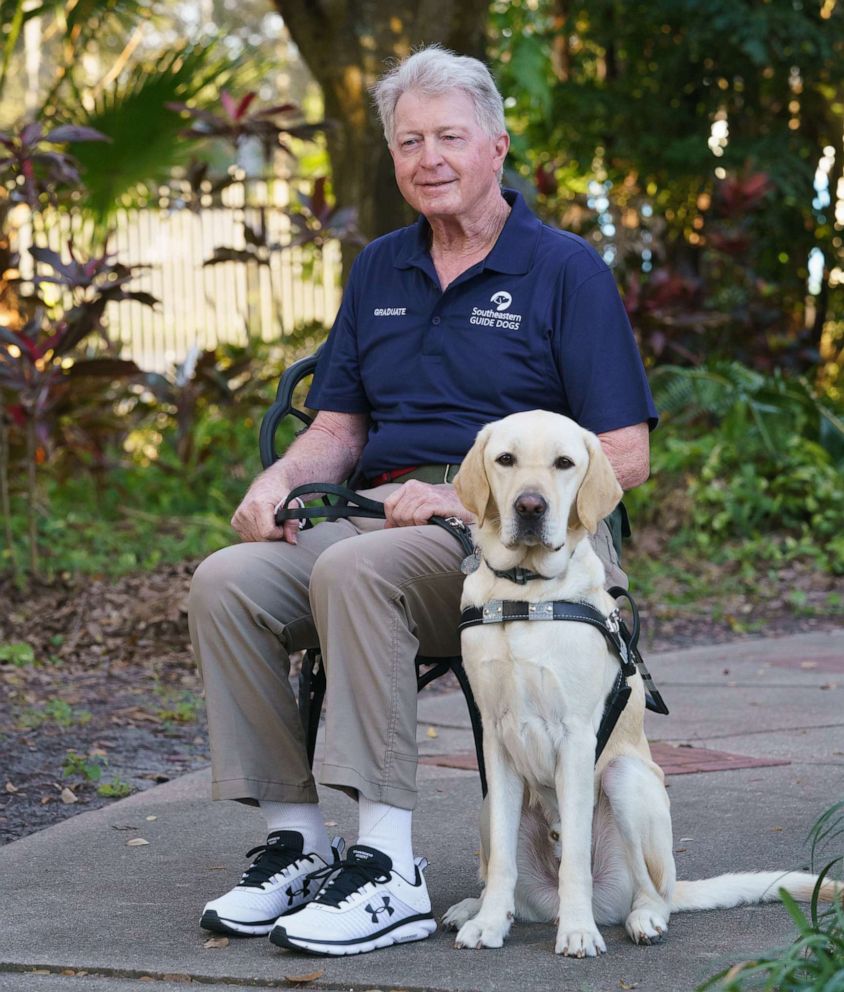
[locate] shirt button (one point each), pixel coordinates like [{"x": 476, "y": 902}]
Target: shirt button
[{"x": 435, "y": 320}]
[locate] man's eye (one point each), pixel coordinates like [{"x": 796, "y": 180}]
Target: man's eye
[
  {"x": 563, "y": 462},
  {"x": 506, "y": 459}
]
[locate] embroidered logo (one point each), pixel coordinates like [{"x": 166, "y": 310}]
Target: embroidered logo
[
  {"x": 389, "y": 312},
  {"x": 502, "y": 300},
  {"x": 501, "y": 316},
  {"x": 384, "y": 908}
]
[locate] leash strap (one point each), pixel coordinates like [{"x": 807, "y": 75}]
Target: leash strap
[{"x": 352, "y": 504}]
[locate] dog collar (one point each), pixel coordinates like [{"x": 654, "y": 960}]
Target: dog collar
[{"x": 519, "y": 575}]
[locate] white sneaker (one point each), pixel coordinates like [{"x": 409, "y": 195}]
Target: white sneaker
[
  {"x": 364, "y": 904},
  {"x": 276, "y": 882}
]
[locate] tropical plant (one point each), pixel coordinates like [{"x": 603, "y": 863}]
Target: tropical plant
[
  {"x": 147, "y": 138},
  {"x": 692, "y": 140},
  {"x": 743, "y": 456},
  {"x": 37, "y": 371}
]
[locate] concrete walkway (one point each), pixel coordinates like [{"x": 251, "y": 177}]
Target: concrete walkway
[{"x": 754, "y": 747}]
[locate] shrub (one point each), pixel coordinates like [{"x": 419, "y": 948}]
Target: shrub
[{"x": 744, "y": 457}]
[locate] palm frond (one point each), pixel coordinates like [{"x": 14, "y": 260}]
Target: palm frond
[
  {"x": 87, "y": 17},
  {"x": 688, "y": 393},
  {"x": 772, "y": 406},
  {"x": 145, "y": 135}
]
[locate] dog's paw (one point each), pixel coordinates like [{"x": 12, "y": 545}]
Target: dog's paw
[
  {"x": 479, "y": 933},
  {"x": 460, "y": 913},
  {"x": 585, "y": 942},
  {"x": 646, "y": 925}
]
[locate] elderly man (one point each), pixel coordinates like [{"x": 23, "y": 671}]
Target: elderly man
[{"x": 476, "y": 311}]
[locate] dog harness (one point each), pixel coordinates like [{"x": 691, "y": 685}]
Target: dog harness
[{"x": 621, "y": 641}]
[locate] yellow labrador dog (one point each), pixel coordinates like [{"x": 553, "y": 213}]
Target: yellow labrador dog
[{"x": 539, "y": 485}]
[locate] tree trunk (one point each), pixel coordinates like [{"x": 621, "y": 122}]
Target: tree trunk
[{"x": 346, "y": 44}]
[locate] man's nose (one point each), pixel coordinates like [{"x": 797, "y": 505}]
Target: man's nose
[
  {"x": 431, "y": 156},
  {"x": 530, "y": 506}
]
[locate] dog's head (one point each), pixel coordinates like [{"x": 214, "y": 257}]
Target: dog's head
[{"x": 536, "y": 480}]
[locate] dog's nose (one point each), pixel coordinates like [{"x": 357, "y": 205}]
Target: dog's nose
[{"x": 530, "y": 506}]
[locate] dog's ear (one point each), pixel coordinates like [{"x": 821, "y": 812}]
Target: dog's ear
[
  {"x": 599, "y": 492},
  {"x": 471, "y": 482}
]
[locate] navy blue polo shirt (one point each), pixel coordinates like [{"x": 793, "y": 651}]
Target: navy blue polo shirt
[{"x": 538, "y": 324}]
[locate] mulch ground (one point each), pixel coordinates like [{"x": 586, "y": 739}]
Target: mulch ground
[{"x": 99, "y": 693}]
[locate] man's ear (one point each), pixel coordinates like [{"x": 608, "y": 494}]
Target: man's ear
[
  {"x": 599, "y": 492},
  {"x": 471, "y": 482}
]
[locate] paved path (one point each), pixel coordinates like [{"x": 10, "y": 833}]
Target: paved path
[{"x": 754, "y": 747}]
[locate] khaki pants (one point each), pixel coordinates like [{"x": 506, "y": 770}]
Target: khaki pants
[{"x": 373, "y": 603}]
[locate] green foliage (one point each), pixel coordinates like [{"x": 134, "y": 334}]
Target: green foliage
[
  {"x": 178, "y": 706},
  {"x": 56, "y": 711},
  {"x": 743, "y": 457},
  {"x": 179, "y": 464},
  {"x": 814, "y": 962},
  {"x": 17, "y": 653},
  {"x": 116, "y": 788},
  {"x": 89, "y": 768},
  {"x": 145, "y": 135},
  {"x": 626, "y": 96}
]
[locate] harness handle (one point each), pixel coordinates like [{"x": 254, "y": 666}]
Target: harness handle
[
  {"x": 352, "y": 504},
  {"x": 633, "y": 639}
]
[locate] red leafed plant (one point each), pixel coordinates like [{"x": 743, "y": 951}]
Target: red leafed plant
[
  {"x": 39, "y": 363},
  {"x": 37, "y": 366}
]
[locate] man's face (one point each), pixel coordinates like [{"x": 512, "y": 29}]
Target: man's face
[{"x": 446, "y": 165}]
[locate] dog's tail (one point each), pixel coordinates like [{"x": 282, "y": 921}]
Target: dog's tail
[{"x": 744, "y": 888}]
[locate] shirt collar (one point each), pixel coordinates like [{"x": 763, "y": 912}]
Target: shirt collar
[{"x": 512, "y": 253}]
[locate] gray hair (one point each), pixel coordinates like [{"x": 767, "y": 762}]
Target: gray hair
[{"x": 434, "y": 70}]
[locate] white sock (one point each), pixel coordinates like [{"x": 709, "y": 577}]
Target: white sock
[
  {"x": 388, "y": 829},
  {"x": 306, "y": 818}
]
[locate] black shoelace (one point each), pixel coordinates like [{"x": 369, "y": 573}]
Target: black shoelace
[
  {"x": 346, "y": 877},
  {"x": 270, "y": 861}
]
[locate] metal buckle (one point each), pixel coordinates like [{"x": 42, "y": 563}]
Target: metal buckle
[
  {"x": 493, "y": 611},
  {"x": 613, "y": 622},
  {"x": 540, "y": 611}
]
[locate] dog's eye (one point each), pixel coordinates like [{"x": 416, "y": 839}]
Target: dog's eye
[
  {"x": 563, "y": 462},
  {"x": 506, "y": 459}
]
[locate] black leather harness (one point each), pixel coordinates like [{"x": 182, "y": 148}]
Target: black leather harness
[{"x": 622, "y": 643}]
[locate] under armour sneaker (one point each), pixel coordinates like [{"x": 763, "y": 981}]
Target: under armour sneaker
[
  {"x": 276, "y": 882},
  {"x": 364, "y": 904}
]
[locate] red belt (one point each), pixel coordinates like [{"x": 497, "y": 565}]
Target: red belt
[{"x": 391, "y": 475}]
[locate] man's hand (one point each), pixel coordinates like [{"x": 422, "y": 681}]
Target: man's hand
[
  {"x": 326, "y": 452},
  {"x": 254, "y": 519},
  {"x": 415, "y": 502}
]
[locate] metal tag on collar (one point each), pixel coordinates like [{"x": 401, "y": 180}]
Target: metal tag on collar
[
  {"x": 471, "y": 563},
  {"x": 540, "y": 611},
  {"x": 493, "y": 611}
]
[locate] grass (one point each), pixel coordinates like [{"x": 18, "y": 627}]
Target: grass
[
  {"x": 144, "y": 513},
  {"x": 89, "y": 768},
  {"x": 55, "y": 711}
]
